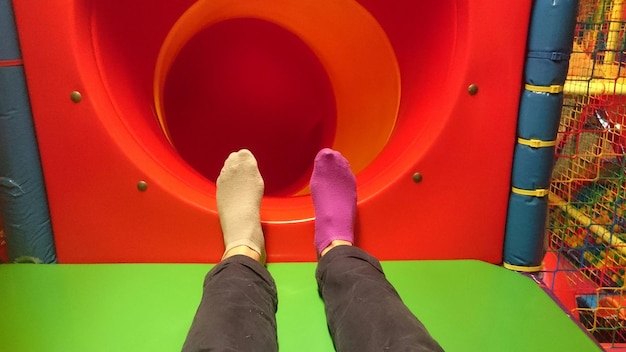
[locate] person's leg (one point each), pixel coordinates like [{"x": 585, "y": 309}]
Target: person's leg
[
  {"x": 239, "y": 301},
  {"x": 237, "y": 310},
  {"x": 363, "y": 310}
]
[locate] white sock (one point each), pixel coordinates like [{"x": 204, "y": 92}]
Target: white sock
[{"x": 239, "y": 194}]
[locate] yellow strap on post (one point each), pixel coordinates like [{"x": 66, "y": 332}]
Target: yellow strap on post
[
  {"x": 524, "y": 269},
  {"x": 532, "y": 193},
  {"x": 536, "y": 143},
  {"x": 553, "y": 89}
]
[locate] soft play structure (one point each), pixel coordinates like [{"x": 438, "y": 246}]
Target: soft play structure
[
  {"x": 116, "y": 117},
  {"x": 135, "y": 111}
]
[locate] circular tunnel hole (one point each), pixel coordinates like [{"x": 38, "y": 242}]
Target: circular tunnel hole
[
  {"x": 249, "y": 83},
  {"x": 370, "y": 114}
]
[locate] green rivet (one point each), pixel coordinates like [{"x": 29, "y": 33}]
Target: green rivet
[
  {"x": 417, "y": 177},
  {"x": 76, "y": 96},
  {"x": 142, "y": 186},
  {"x": 472, "y": 89}
]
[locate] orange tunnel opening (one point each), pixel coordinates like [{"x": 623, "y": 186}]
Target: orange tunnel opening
[
  {"x": 261, "y": 77},
  {"x": 281, "y": 79}
]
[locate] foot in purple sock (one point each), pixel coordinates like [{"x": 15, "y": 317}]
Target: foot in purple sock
[{"x": 333, "y": 188}]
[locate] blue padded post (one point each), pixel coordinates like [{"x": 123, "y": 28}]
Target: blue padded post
[
  {"x": 23, "y": 201},
  {"x": 549, "y": 47}
]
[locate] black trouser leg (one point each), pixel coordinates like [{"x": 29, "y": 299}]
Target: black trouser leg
[
  {"x": 237, "y": 311},
  {"x": 363, "y": 310}
]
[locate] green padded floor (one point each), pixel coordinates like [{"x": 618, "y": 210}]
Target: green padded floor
[{"x": 467, "y": 306}]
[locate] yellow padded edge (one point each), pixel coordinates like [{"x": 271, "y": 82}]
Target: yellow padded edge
[
  {"x": 525, "y": 269},
  {"x": 553, "y": 89},
  {"x": 536, "y": 143},
  {"x": 533, "y": 193}
]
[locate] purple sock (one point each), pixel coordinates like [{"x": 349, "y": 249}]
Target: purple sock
[{"x": 333, "y": 187}]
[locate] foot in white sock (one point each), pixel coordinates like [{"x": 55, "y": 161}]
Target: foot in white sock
[{"x": 239, "y": 194}]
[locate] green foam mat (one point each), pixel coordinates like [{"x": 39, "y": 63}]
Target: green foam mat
[{"x": 466, "y": 305}]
